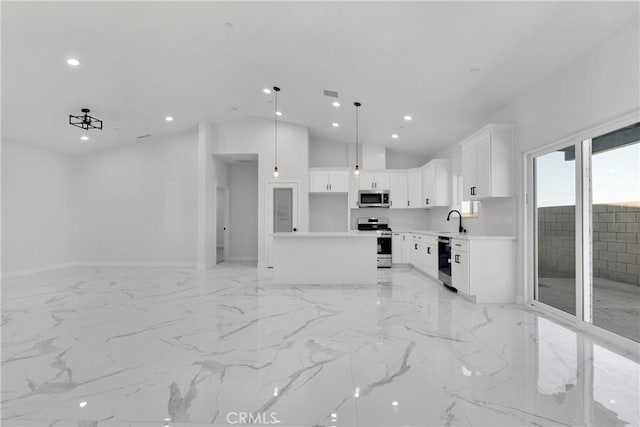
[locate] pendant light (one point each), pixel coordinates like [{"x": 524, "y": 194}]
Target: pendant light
[
  {"x": 357, "y": 169},
  {"x": 276, "y": 89}
]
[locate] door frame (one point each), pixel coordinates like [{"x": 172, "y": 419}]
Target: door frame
[
  {"x": 268, "y": 205},
  {"x": 225, "y": 220},
  {"x": 582, "y": 141}
]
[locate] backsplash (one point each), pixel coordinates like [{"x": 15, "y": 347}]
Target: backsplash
[{"x": 399, "y": 219}]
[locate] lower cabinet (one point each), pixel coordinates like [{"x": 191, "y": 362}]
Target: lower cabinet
[
  {"x": 424, "y": 254},
  {"x": 482, "y": 268},
  {"x": 396, "y": 248},
  {"x": 460, "y": 271}
]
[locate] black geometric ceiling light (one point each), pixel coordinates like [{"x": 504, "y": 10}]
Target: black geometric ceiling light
[{"x": 85, "y": 122}]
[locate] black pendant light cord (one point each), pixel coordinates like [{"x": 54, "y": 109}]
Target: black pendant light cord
[
  {"x": 276, "y": 90},
  {"x": 357, "y": 104}
]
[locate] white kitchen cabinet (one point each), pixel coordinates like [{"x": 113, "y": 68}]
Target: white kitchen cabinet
[
  {"x": 414, "y": 188},
  {"x": 407, "y": 248},
  {"x": 484, "y": 268},
  {"x": 396, "y": 248},
  {"x": 487, "y": 158},
  {"x": 424, "y": 254},
  {"x": 436, "y": 184},
  {"x": 369, "y": 180},
  {"x": 431, "y": 256},
  {"x": 460, "y": 270},
  {"x": 328, "y": 181},
  {"x": 398, "y": 190}
]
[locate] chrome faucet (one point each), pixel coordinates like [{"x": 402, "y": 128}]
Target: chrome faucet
[{"x": 460, "y": 229}]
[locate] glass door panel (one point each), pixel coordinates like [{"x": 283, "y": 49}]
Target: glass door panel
[
  {"x": 282, "y": 210},
  {"x": 555, "y": 228},
  {"x": 615, "y": 232}
]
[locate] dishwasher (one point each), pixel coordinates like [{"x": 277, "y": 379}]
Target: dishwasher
[{"x": 444, "y": 261}]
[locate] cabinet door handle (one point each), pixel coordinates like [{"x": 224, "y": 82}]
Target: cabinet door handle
[
  {"x": 429, "y": 250},
  {"x": 457, "y": 259},
  {"x": 403, "y": 236},
  {"x": 426, "y": 201},
  {"x": 330, "y": 187},
  {"x": 415, "y": 246},
  {"x": 408, "y": 203}
]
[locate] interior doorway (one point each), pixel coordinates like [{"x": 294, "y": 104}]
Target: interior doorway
[{"x": 222, "y": 221}]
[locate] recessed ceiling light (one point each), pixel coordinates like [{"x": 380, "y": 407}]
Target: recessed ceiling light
[
  {"x": 73, "y": 61},
  {"x": 266, "y": 90},
  {"x": 169, "y": 118},
  {"x": 408, "y": 118},
  {"x": 394, "y": 403},
  {"x": 335, "y": 125},
  {"x": 278, "y": 113},
  {"x": 335, "y": 103},
  {"x": 84, "y": 138},
  {"x": 394, "y": 136},
  {"x": 82, "y": 404}
]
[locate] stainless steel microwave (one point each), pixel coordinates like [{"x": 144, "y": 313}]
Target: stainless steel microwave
[{"x": 373, "y": 198}]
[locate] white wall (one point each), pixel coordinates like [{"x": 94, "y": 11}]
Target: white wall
[
  {"x": 600, "y": 86},
  {"x": 38, "y": 209},
  {"x": 402, "y": 160},
  {"x": 255, "y": 136},
  {"x": 326, "y": 154},
  {"x": 243, "y": 222},
  {"x": 328, "y": 212},
  {"x": 138, "y": 203}
]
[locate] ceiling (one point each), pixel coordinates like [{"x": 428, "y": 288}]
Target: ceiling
[{"x": 142, "y": 61}]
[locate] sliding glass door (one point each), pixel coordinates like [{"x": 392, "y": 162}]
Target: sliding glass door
[
  {"x": 555, "y": 225},
  {"x": 613, "y": 299},
  {"x": 586, "y": 230}
]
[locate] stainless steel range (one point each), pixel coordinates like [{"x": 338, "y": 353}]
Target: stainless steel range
[{"x": 381, "y": 227}]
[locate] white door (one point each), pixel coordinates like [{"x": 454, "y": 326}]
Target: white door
[
  {"x": 468, "y": 170},
  {"x": 483, "y": 167},
  {"x": 222, "y": 221},
  {"x": 318, "y": 182},
  {"x": 429, "y": 185},
  {"x": 398, "y": 190},
  {"x": 281, "y": 212},
  {"x": 339, "y": 181}
]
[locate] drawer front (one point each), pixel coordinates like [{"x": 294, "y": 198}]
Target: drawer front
[{"x": 460, "y": 245}]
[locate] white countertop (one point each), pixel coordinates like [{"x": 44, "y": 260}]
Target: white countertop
[
  {"x": 324, "y": 234},
  {"x": 456, "y": 235}
]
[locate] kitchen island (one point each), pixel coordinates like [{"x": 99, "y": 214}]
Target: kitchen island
[{"x": 325, "y": 258}]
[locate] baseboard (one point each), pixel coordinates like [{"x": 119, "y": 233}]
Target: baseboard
[
  {"x": 151, "y": 264},
  {"x": 241, "y": 259},
  {"x": 35, "y": 270},
  {"x": 45, "y": 268}
]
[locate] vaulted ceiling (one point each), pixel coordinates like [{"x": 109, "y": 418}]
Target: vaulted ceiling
[{"x": 447, "y": 64}]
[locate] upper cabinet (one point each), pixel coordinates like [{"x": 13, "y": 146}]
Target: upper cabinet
[
  {"x": 398, "y": 196},
  {"x": 369, "y": 180},
  {"x": 435, "y": 184},
  {"x": 328, "y": 181},
  {"x": 487, "y": 163},
  {"x": 414, "y": 188}
]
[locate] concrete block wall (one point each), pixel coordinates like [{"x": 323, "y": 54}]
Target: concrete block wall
[{"x": 616, "y": 242}]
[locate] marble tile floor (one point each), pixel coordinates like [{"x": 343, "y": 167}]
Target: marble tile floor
[
  {"x": 114, "y": 347},
  {"x": 616, "y": 305}
]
